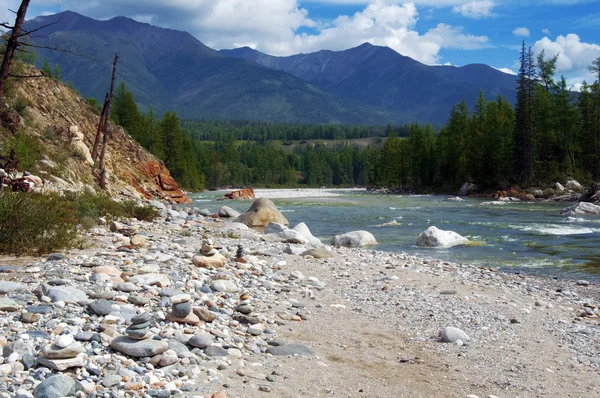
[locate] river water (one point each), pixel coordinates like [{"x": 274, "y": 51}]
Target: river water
[{"x": 521, "y": 237}]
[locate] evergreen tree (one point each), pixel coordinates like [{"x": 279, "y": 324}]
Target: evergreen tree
[
  {"x": 595, "y": 69},
  {"x": 523, "y": 122}
]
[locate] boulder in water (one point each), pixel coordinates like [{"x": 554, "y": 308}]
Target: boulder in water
[
  {"x": 226, "y": 211},
  {"x": 435, "y": 237},
  {"x": 261, "y": 213},
  {"x": 467, "y": 189},
  {"x": 354, "y": 239},
  {"x": 580, "y": 209},
  {"x": 302, "y": 230}
]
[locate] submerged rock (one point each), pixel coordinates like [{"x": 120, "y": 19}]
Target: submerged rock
[
  {"x": 261, "y": 213},
  {"x": 435, "y": 237},
  {"x": 580, "y": 209}
]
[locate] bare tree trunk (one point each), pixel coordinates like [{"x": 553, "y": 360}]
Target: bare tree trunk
[
  {"x": 11, "y": 45},
  {"x": 105, "y": 125},
  {"x": 100, "y": 128}
]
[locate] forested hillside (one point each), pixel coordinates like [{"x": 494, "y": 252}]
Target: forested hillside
[{"x": 552, "y": 133}]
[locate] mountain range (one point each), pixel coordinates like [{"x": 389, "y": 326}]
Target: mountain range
[{"x": 171, "y": 70}]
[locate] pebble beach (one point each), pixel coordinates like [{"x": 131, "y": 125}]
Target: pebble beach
[{"x": 193, "y": 305}]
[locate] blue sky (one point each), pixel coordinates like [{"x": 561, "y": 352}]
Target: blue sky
[{"x": 456, "y": 32}]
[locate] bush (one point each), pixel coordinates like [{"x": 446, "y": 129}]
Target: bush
[
  {"x": 35, "y": 224},
  {"x": 27, "y": 149},
  {"x": 20, "y": 105}
]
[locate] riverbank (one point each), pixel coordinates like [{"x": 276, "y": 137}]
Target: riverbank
[{"x": 363, "y": 323}]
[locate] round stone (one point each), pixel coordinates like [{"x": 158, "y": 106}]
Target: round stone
[
  {"x": 141, "y": 318},
  {"x": 182, "y": 309}
]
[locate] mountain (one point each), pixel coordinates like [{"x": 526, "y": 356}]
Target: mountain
[
  {"x": 171, "y": 70},
  {"x": 381, "y": 77}
]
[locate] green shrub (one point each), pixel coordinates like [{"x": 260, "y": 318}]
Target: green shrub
[
  {"x": 28, "y": 150},
  {"x": 20, "y": 105},
  {"x": 142, "y": 213},
  {"x": 32, "y": 223}
]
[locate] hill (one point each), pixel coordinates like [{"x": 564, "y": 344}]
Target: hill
[
  {"x": 56, "y": 131},
  {"x": 171, "y": 70},
  {"x": 382, "y": 78}
]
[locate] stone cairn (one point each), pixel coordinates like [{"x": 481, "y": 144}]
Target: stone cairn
[
  {"x": 63, "y": 354},
  {"x": 239, "y": 255},
  {"x": 209, "y": 257},
  {"x": 208, "y": 249},
  {"x": 181, "y": 310},
  {"x": 140, "y": 326}
]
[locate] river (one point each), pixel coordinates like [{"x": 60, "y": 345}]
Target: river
[{"x": 526, "y": 237}]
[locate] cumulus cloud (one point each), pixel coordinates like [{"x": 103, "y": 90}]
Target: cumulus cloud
[
  {"x": 475, "y": 9},
  {"x": 521, "y": 32},
  {"x": 574, "y": 56},
  {"x": 283, "y": 27},
  {"x": 546, "y": 31}
]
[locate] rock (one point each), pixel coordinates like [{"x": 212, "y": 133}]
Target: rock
[
  {"x": 126, "y": 287},
  {"x": 100, "y": 307},
  {"x": 142, "y": 317},
  {"x": 558, "y": 186},
  {"x": 204, "y": 314},
  {"x": 285, "y": 236},
  {"x": 261, "y": 213},
  {"x": 215, "y": 351},
  {"x": 57, "y": 386},
  {"x": 138, "y": 348},
  {"x": 181, "y": 309},
  {"x": 354, "y": 239},
  {"x": 137, "y": 240},
  {"x": 247, "y": 372},
  {"x": 215, "y": 261},
  {"x": 451, "y": 335},
  {"x": 115, "y": 226},
  {"x": 62, "y": 364},
  {"x": 10, "y": 287},
  {"x": 582, "y": 282},
  {"x": 223, "y": 285},
  {"x": 304, "y": 232},
  {"x": 319, "y": 252},
  {"x": 274, "y": 227},
  {"x": 10, "y": 305},
  {"x": 467, "y": 189},
  {"x": 244, "y": 309},
  {"x": 111, "y": 380},
  {"x": 290, "y": 349},
  {"x": 55, "y": 352},
  {"x": 11, "y": 121},
  {"x": 168, "y": 358},
  {"x": 228, "y": 212},
  {"x": 56, "y": 257},
  {"x": 159, "y": 280},
  {"x": 434, "y": 237},
  {"x": 64, "y": 340},
  {"x": 190, "y": 318},
  {"x": 29, "y": 317},
  {"x": 66, "y": 294},
  {"x": 246, "y": 193},
  {"x": 201, "y": 340},
  {"x": 580, "y": 209}
]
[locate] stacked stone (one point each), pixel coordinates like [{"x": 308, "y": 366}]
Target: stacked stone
[
  {"x": 181, "y": 310},
  {"x": 239, "y": 255},
  {"x": 140, "y": 326},
  {"x": 209, "y": 257},
  {"x": 63, "y": 354}
]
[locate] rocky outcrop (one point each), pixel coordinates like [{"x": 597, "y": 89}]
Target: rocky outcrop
[
  {"x": 262, "y": 212},
  {"x": 165, "y": 185},
  {"x": 246, "y": 193},
  {"x": 354, "y": 239},
  {"x": 435, "y": 237},
  {"x": 79, "y": 146},
  {"x": 467, "y": 189},
  {"x": 11, "y": 121},
  {"x": 581, "y": 209}
]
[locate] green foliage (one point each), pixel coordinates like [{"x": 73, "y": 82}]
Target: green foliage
[
  {"x": 35, "y": 223},
  {"x": 93, "y": 102},
  {"x": 45, "y": 69},
  {"x": 28, "y": 150},
  {"x": 20, "y": 105}
]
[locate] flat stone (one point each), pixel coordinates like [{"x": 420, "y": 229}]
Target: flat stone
[
  {"x": 214, "y": 261},
  {"x": 223, "y": 285},
  {"x": 10, "y": 287},
  {"x": 138, "y": 348},
  {"x": 204, "y": 314},
  {"x": 180, "y": 298},
  {"x": 111, "y": 380},
  {"x": 63, "y": 364},
  {"x": 66, "y": 294},
  {"x": 319, "y": 252},
  {"x": 84, "y": 335},
  {"x": 64, "y": 340},
  {"x": 151, "y": 279},
  {"x": 201, "y": 340},
  {"x": 139, "y": 326},
  {"x": 290, "y": 349},
  {"x": 40, "y": 309},
  {"x": 141, "y": 318},
  {"x": 137, "y": 240},
  {"x": 190, "y": 319},
  {"x": 9, "y": 305},
  {"x": 29, "y": 317},
  {"x": 9, "y": 269},
  {"x": 244, "y": 309},
  {"x": 168, "y": 358},
  {"x": 451, "y": 335},
  {"x": 57, "y": 386},
  {"x": 138, "y": 334},
  {"x": 126, "y": 287},
  {"x": 247, "y": 372},
  {"x": 138, "y": 300},
  {"x": 100, "y": 307},
  {"x": 55, "y": 352},
  {"x": 56, "y": 257},
  {"x": 215, "y": 351},
  {"x": 180, "y": 349}
]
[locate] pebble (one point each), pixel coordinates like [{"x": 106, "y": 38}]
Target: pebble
[
  {"x": 451, "y": 335},
  {"x": 57, "y": 386}
]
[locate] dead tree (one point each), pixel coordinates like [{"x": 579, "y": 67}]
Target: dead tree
[
  {"x": 104, "y": 123},
  {"x": 11, "y": 45},
  {"x": 100, "y": 129}
]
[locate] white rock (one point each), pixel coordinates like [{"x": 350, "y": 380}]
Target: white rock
[
  {"x": 354, "y": 239},
  {"x": 451, "y": 335},
  {"x": 580, "y": 209},
  {"x": 435, "y": 237},
  {"x": 274, "y": 227},
  {"x": 303, "y": 231},
  {"x": 64, "y": 340}
]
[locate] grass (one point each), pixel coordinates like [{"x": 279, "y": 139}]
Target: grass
[{"x": 32, "y": 223}]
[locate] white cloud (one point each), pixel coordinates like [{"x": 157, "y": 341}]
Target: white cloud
[
  {"x": 475, "y": 9},
  {"x": 574, "y": 56},
  {"x": 522, "y": 32},
  {"x": 546, "y": 31},
  {"x": 279, "y": 27}
]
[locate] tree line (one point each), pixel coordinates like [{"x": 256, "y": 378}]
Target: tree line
[{"x": 552, "y": 132}]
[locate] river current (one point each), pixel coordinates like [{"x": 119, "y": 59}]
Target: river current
[{"x": 521, "y": 237}]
